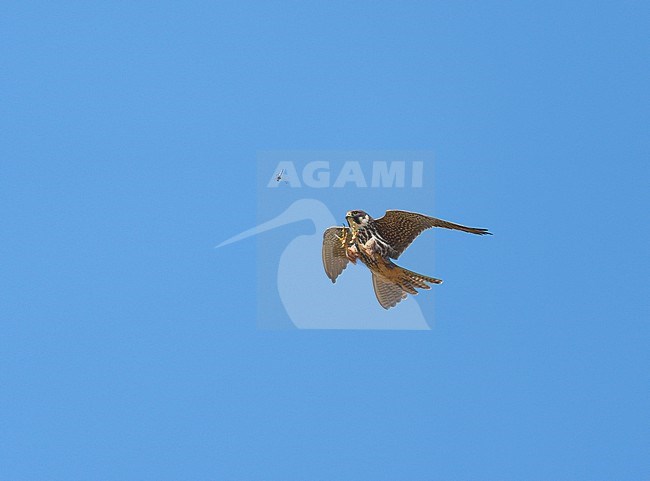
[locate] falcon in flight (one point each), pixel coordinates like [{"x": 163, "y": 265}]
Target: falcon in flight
[{"x": 375, "y": 242}]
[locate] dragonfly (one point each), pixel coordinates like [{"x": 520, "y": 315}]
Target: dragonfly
[{"x": 280, "y": 176}]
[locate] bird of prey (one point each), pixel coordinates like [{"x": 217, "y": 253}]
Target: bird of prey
[{"x": 375, "y": 242}]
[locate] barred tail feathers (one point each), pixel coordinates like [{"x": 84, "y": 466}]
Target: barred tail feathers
[
  {"x": 398, "y": 283},
  {"x": 409, "y": 280}
]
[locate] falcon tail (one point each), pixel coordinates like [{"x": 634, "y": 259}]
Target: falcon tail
[
  {"x": 390, "y": 291},
  {"x": 409, "y": 280}
]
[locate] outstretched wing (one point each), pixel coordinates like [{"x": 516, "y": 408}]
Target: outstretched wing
[
  {"x": 399, "y": 228},
  {"x": 334, "y": 258}
]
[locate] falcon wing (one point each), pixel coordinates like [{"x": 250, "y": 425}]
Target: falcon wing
[
  {"x": 399, "y": 228},
  {"x": 334, "y": 258}
]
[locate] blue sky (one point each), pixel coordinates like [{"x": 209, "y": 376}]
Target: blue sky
[{"x": 129, "y": 348}]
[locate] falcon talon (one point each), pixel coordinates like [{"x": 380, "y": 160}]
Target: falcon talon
[{"x": 343, "y": 237}]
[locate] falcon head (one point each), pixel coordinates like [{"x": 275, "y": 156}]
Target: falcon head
[{"x": 357, "y": 218}]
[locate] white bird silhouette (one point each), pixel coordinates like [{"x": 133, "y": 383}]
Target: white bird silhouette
[{"x": 308, "y": 296}]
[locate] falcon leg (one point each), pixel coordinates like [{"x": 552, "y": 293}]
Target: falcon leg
[{"x": 343, "y": 237}]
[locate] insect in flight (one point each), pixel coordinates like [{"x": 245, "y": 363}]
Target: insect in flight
[{"x": 280, "y": 176}]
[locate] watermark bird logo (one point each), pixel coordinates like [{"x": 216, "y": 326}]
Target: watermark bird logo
[{"x": 303, "y": 290}]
